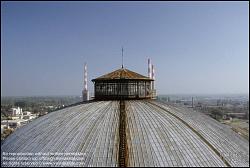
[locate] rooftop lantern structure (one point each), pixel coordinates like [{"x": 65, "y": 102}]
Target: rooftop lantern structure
[{"x": 123, "y": 84}]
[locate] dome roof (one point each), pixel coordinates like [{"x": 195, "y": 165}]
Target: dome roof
[
  {"x": 122, "y": 74},
  {"x": 157, "y": 135}
]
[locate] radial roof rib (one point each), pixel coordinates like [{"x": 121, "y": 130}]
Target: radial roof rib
[
  {"x": 231, "y": 146},
  {"x": 156, "y": 138},
  {"x": 91, "y": 129}
]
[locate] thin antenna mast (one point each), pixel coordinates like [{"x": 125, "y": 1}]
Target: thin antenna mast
[{"x": 122, "y": 57}]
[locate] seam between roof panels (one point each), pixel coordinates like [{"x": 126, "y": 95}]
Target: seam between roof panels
[{"x": 196, "y": 132}]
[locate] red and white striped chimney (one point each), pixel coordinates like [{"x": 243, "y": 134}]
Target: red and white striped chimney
[
  {"x": 85, "y": 77},
  {"x": 85, "y": 92},
  {"x": 149, "y": 68},
  {"x": 153, "y": 76}
]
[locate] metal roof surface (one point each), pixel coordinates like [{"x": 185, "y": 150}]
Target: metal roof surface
[
  {"x": 157, "y": 135},
  {"x": 122, "y": 74}
]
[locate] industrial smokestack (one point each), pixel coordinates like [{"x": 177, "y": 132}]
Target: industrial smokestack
[
  {"x": 85, "y": 92},
  {"x": 153, "y": 77},
  {"x": 85, "y": 77},
  {"x": 149, "y": 68},
  {"x": 153, "y": 72},
  {"x": 192, "y": 102}
]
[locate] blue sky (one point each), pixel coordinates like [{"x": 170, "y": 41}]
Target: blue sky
[{"x": 196, "y": 47}]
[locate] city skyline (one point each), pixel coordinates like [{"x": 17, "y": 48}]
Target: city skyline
[{"x": 196, "y": 47}]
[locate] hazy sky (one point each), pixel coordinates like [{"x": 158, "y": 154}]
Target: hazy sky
[{"x": 196, "y": 47}]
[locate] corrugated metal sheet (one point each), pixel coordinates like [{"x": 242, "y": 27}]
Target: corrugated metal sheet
[
  {"x": 230, "y": 145},
  {"x": 88, "y": 128},
  {"x": 157, "y": 135},
  {"x": 159, "y": 139}
]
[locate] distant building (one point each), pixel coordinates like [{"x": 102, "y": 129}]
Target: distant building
[
  {"x": 50, "y": 107},
  {"x": 4, "y": 127},
  {"x": 43, "y": 113},
  {"x": 18, "y": 118},
  {"x": 13, "y": 123},
  {"x": 15, "y": 111},
  {"x": 26, "y": 113},
  {"x": 28, "y": 117}
]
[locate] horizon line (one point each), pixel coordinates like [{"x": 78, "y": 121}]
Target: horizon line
[{"x": 163, "y": 94}]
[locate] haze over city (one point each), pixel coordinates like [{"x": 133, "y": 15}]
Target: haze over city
[{"x": 196, "y": 47}]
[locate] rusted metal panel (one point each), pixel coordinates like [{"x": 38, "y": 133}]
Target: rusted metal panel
[{"x": 122, "y": 74}]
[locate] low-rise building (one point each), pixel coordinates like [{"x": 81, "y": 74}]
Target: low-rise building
[
  {"x": 27, "y": 113},
  {"x": 15, "y": 111},
  {"x": 13, "y": 123}
]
